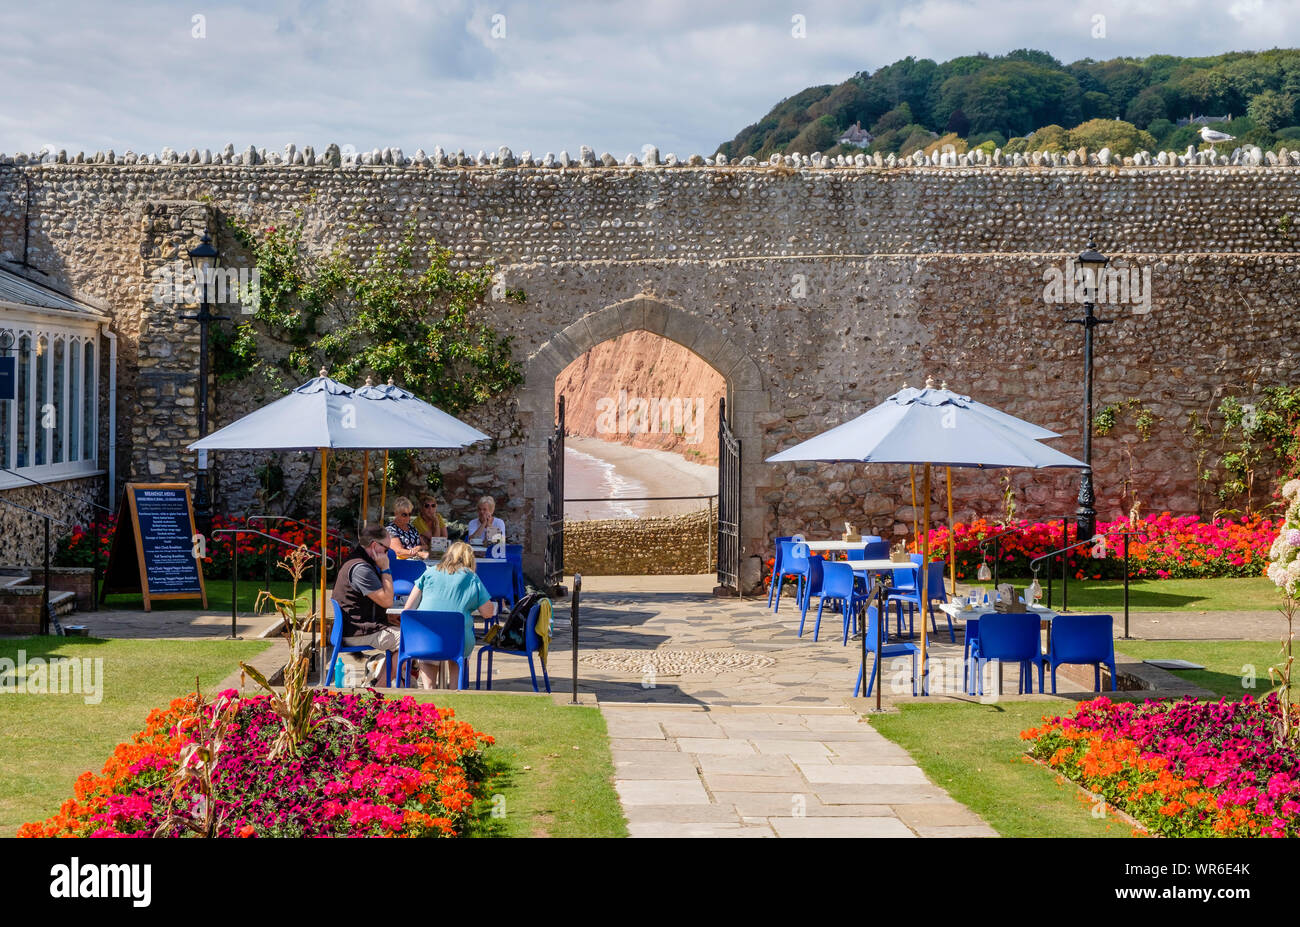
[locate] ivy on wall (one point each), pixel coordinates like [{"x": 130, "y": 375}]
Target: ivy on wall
[{"x": 402, "y": 313}]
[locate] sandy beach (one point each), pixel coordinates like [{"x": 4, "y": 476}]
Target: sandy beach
[{"x": 596, "y": 468}]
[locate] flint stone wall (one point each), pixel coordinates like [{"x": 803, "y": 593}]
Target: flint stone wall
[
  {"x": 815, "y": 293},
  {"x": 667, "y": 545}
]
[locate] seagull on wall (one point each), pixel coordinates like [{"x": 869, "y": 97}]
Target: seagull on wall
[{"x": 1213, "y": 137}]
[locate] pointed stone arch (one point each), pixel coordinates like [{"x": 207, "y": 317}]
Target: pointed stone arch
[{"x": 747, "y": 397}]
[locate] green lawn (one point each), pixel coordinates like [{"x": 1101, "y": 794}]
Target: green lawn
[
  {"x": 1228, "y": 664},
  {"x": 1255, "y": 593},
  {"x": 219, "y": 597},
  {"x": 47, "y": 741},
  {"x": 555, "y": 771},
  {"x": 975, "y": 753}
]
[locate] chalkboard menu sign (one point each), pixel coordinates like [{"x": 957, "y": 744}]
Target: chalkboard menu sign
[{"x": 153, "y": 550}]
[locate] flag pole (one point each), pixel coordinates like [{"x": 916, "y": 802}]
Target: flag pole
[{"x": 925, "y": 575}]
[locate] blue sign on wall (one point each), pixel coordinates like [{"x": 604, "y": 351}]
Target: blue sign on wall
[{"x": 8, "y": 378}]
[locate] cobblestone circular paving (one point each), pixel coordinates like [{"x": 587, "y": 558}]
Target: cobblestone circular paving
[{"x": 674, "y": 662}]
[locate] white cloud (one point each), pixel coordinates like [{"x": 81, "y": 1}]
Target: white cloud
[{"x": 682, "y": 74}]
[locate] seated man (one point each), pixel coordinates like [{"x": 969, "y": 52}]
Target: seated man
[{"x": 364, "y": 591}]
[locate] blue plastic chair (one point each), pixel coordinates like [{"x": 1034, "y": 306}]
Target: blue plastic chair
[
  {"x": 774, "y": 581},
  {"x": 1083, "y": 639},
  {"x": 336, "y": 648},
  {"x": 499, "y": 578},
  {"x": 432, "y": 636},
  {"x": 532, "y": 645},
  {"x": 406, "y": 573},
  {"x": 795, "y": 562},
  {"x": 971, "y": 636},
  {"x": 811, "y": 585},
  {"x": 935, "y": 592},
  {"x": 515, "y": 554},
  {"x": 875, "y": 549},
  {"x": 839, "y": 585},
  {"x": 872, "y": 632},
  {"x": 1009, "y": 638}
]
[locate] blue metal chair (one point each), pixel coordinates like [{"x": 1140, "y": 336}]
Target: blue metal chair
[
  {"x": 835, "y": 582},
  {"x": 336, "y": 647},
  {"x": 875, "y": 549},
  {"x": 406, "y": 573},
  {"x": 935, "y": 592},
  {"x": 810, "y": 585},
  {"x": 1009, "y": 637},
  {"x": 432, "y": 636},
  {"x": 872, "y": 632},
  {"x": 532, "y": 645},
  {"x": 1082, "y": 639},
  {"x": 774, "y": 581},
  {"x": 498, "y": 576},
  {"x": 795, "y": 562},
  {"x": 971, "y": 636}
]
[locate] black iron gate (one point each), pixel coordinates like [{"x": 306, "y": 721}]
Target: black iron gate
[
  {"x": 554, "y": 566},
  {"x": 728, "y": 502}
]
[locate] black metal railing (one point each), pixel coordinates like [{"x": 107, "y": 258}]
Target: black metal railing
[
  {"x": 1125, "y": 535},
  {"x": 94, "y": 521},
  {"x": 234, "y": 569},
  {"x": 553, "y": 555},
  {"x": 728, "y": 503},
  {"x": 45, "y": 597},
  {"x": 995, "y": 539}
]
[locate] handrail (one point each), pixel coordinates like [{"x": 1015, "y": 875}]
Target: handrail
[
  {"x": 997, "y": 550},
  {"x": 94, "y": 520},
  {"x": 234, "y": 569},
  {"x": 45, "y": 596},
  {"x": 329, "y": 532},
  {"x": 1033, "y": 564}
]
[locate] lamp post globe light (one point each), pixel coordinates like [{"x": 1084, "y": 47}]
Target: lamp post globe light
[
  {"x": 1093, "y": 264},
  {"x": 203, "y": 259}
]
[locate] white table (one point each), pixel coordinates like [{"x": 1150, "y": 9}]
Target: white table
[
  {"x": 839, "y": 546},
  {"x": 877, "y": 566},
  {"x": 961, "y": 610}
]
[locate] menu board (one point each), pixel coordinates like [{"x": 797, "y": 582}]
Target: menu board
[{"x": 153, "y": 546}]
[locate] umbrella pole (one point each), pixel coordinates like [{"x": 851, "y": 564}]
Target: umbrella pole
[
  {"x": 916, "y": 533},
  {"x": 925, "y": 594},
  {"x": 952, "y": 544},
  {"x": 324, "y": 472},
  {"x": 365, "y": 490},
  {"x": 383, "y": 490}
]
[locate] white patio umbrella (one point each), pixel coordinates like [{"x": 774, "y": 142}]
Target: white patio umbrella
[
  {"x": 411, "y": 404},
  {"x": 931, "y": 427},
  {"x": 325, "y": 415}
]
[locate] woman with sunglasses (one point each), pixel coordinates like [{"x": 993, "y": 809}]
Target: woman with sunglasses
[
  {"x": 406, "y": 541},
  {"x": 429, "y": 521}
]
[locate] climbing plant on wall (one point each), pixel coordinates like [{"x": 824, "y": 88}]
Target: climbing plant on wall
[
  {"x": 1260, "y": 439},
  {"x": 403, "y": 312}
]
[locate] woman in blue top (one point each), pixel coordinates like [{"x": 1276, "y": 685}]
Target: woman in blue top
[{"x": 451, "y": 586}]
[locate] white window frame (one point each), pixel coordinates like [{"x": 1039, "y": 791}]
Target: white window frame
[{"x": 51, "y": 325}]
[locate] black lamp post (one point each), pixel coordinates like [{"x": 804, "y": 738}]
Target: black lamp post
[
  {"x": 204, "y": 259},
  {"x": 1093, "y": 264}
]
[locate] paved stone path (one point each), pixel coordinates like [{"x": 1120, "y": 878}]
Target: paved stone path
[{"x": 692, "y": 771}]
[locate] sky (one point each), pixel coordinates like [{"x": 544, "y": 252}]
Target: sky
[{"x": 685, "y": 75}]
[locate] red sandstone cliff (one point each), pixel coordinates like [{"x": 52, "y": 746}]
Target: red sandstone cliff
[{"x": 646, "y": 391}]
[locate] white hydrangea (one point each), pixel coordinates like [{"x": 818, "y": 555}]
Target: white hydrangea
[{"x": 1290, "y": 490}]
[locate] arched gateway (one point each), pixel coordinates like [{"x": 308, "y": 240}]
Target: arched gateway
[{"x": 746, "y": 398}]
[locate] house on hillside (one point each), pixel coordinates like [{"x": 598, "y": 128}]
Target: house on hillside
[
  {"x": 856, "y": 136},
  {"x": 1203, "y": 120}
]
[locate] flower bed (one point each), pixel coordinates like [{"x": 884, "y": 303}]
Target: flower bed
[
  {"x": 78, "y": 547},
  {"x": 1181, "y": 768},
  {"x": 1167, "y": 546},
  {"x": 376, "y": 767}
]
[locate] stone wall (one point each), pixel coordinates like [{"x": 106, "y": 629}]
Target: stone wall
[
  {"x": 22, "y": 535},
  {"x": 814, "y": 292},
  {"x": 669, "y": 545}
]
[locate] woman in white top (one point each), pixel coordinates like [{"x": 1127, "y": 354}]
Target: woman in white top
[{"x": 485, "y": 529}]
